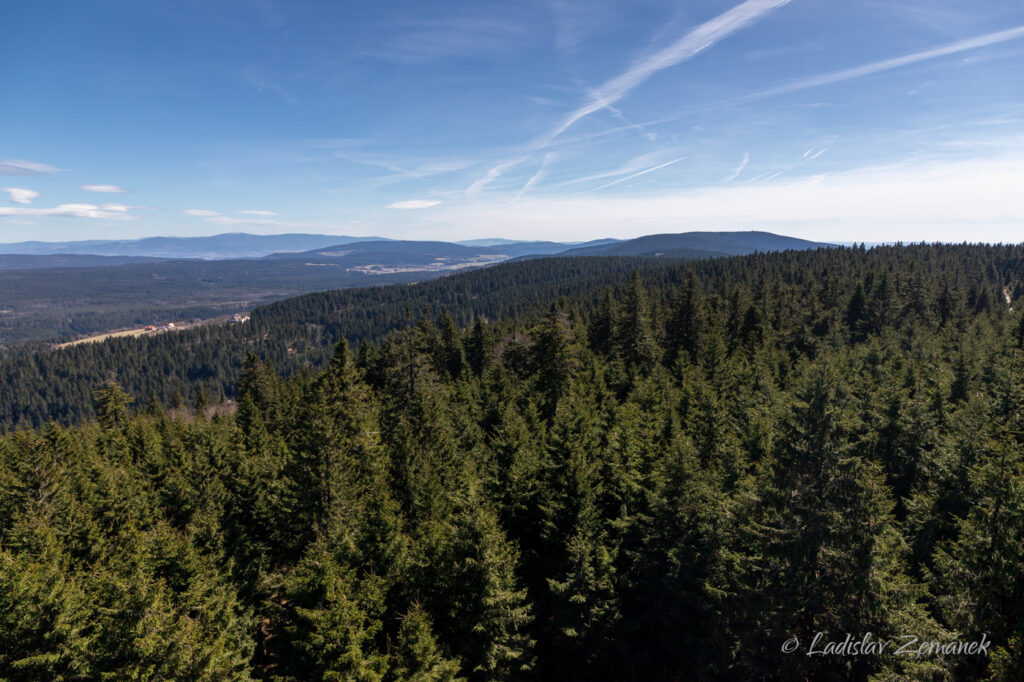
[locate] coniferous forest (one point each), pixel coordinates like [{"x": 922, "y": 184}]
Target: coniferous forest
[{"x": 644, "y": 470}]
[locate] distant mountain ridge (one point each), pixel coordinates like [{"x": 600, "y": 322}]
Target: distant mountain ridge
[
  {"x": 240, "y": 245},
  {"x": 697, "y": 245},
  {"x": 215, "y": 247}
]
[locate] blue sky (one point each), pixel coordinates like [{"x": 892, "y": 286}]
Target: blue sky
[{"x": 869, "y": 120}]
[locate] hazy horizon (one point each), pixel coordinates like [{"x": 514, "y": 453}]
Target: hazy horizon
[{"x": 513, "y": 240}]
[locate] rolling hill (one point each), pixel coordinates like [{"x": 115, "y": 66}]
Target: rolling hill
[
  {"x": 219, "y": 246},
  {"x": 697, "y": 245}
]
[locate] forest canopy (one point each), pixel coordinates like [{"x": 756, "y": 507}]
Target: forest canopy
[{"x": 562, "y": 470}]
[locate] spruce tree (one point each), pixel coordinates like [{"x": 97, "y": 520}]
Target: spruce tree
[
  {"x": 635, "y": 339},
  {"x": 825, "y": 554},
  {"x": 417, "y": 656}
]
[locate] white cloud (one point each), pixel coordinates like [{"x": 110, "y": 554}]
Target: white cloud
[
  {"x": 18, "y": 167},
  {"x": 414, "y": 204},
  {"x": 106, "y": 211},
  {"x": 107, "y": 189},
  {"x": 693, "y": 43},
  {"x": 21, "y": 196},
  {"x": 259, "y": 213},
  {"x": 200, "y": 212}
]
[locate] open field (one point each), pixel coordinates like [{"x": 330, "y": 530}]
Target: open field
[
  {"x": 151, "y": 330},
  {"x": 103, "y": 337}
]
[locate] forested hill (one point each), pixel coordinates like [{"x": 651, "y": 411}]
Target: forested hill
[
  {"x": 36, "y": 262},
  {"x": 202, "y": 364},
  {"x": 697, "y": 245},
  {"x": 630, "y": 471}
]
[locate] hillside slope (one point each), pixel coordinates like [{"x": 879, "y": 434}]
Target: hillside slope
[{"x": 697, "y": 245}]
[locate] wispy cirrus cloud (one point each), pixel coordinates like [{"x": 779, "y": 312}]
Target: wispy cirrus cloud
[
  {"x": 453, "y": 36},
  {"x": 19, "y": 167},
  {"x": 639, "y": 173},
  {"x": 106, "y": 211},
  {"x": 577, "y": 22},
  {"x": 413, "y": 204},
  {"x": 698, "y": 40},
  {"x": 200, "y": 212},
  {"x": 257, "y": 213},
  {"x": 635, "y": 164},
  {"x": 414, "y": 168},
  {"x": 538, "y": 176},
  {"x": 694, "y": 42},
  {"x": 739, "y": 169},
  {"x": 105, "y": 189},
  {"x": 977, "y": 42},
  {"x": 491, "y": 175},
  {"x": 264, "y": 84},
  {"x": 765, "y": 176},
  {"x": 20, "y": 195},
  {"x": 888, "y": 64}
]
